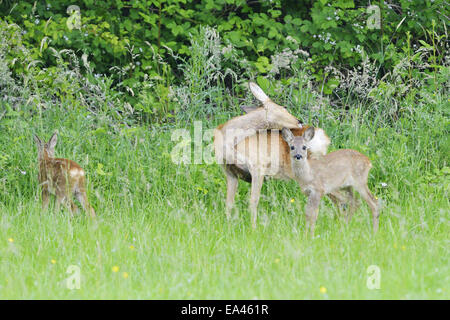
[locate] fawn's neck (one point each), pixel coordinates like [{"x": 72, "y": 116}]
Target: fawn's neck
[
  {"x": 302, "y": 171},
  {"x": 44, "y": 158}
]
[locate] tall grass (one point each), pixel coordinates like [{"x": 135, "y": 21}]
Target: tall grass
[{"x": 164, "y": 224}]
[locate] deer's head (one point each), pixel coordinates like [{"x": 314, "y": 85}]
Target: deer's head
[{"x": 46, "y": 149}]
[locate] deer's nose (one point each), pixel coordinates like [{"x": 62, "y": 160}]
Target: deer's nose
[
  {"x": 300, "y": 124},
  {"x": 298, "y": 156}
]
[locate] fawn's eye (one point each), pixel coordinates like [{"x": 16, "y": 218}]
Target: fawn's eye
[
  {"x": 292, "y": 147},
  {"x": 304, "y": 147}
]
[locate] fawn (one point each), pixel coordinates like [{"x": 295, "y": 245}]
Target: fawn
[
  {"x": 62, "y": 177},
  {"x": 341, "y": 169},
  {"x": 239, "y": 149}
]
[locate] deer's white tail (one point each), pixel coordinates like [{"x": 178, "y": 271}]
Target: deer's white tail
[
  {"x": 320, "y": 142},
  {"x": 258, "y": 93}
]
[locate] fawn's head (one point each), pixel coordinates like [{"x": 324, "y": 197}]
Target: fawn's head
[
  {"x": 298, "y": 145},
  {"x": 46, "y": 149}
]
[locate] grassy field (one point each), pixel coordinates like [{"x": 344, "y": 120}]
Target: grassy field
[{"x": 161, "y": 231}]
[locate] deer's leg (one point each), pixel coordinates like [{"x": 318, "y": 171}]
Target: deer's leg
[
  {"x": 59, "y": 200},
  {"x": 353, "y": 204},
  {"x": 372, "y": 202},
  {"x": 82, "y": 197},
  {"x": 336, "y": 201},
  {"x": 73, "y": 207},
  {"x": 312, "y": 210},
  {"x": 257, "y": 181},
  {"x": 66, "y": 201},
  {"x": 341, "y": 198},
  {"x": 45, "y": 198},
  {"x": 232, "y": 183}
]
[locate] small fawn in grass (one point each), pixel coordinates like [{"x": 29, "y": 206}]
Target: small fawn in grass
[
  {"x": 342, "y": 169},
  {"x": 62, "y": 177}
]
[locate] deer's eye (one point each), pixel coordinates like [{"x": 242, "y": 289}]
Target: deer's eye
[
  {"x": 304, "y": 147},
  {"x": 292, "y": 147}
]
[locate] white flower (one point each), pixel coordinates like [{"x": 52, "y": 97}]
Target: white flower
[
  {"x": 289, "y": 38},
  {"x": 227, "y": 49}
]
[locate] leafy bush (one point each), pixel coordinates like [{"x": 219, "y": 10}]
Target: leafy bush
[{"x": 127, "y": 35}]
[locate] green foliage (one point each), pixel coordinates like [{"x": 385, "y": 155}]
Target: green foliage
[{"x": 128, "y": 34}]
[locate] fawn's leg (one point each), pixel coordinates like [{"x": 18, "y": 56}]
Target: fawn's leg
[
  {"x": 312, "y": 210},
  {"x": 232, "y": 183},
  {"x": 257, "y": 181},
  {"x": 82, "y": 197},
  {"x": 45, "y": 198},
  {"x": 67, "y": 202},
  {"x": 353, "y": 203},
  {"x": 73, "y": 207},
  {"x": 59, "y": 200},
  {"x": 338, "y": 199},
  {"x": 371, "y": 201}
]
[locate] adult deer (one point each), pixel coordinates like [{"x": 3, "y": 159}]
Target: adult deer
[
  {"x": 62, "y": 177},
  {"x": 342, "y": 169},
  {"x": 247, "y": 151}
]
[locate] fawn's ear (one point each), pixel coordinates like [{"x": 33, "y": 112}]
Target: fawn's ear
[
  {"x": 287, "y": 135},
  {"x": 52, "y": 141},
  {"x": 248, "y": 109},
  {"x": 38, "y": 141},
  {"x": 309, "y": 134}
]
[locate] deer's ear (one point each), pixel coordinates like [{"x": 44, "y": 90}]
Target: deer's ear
[
  {"x": 248, "y": 109},
  {"x": 309, "y": 134},
  {"x": 38, "y": 141},
  {"x": 258, "y": 92},
  {"x": 287, "y": 135},
  {"x": 53, "y": 140}
]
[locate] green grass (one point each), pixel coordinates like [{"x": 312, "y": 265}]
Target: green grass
[{"x": 164, "y": 224}]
